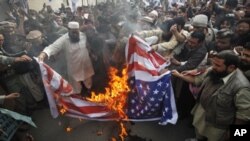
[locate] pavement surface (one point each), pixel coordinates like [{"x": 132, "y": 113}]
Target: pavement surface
[{"x": 49, "y": 129}]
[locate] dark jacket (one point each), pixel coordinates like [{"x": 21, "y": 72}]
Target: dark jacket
[
  {"x": 218, "y": 100},
  {"x": 192, "y": 57}
]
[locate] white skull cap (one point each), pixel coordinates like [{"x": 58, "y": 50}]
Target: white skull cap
[{"x": 73, "y": 25}]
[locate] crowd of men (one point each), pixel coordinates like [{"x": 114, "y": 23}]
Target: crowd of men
[{"x": 207, "y": 43}]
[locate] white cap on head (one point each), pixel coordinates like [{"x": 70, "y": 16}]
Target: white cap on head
[
  {"x": 153, "y": 14},
  {"x": 200, "y": 20},
  {"x": 147, "y": 19},
  {"x": 73, "y": 25},
  {"x": 34, "y": 34}
]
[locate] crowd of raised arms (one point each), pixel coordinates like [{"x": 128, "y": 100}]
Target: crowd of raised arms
[{"x": 206, "y": 41}]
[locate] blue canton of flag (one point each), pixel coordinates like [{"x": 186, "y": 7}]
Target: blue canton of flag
[
  {"x": 151, "y": 96},
  {"x": 150, "y": 99}
]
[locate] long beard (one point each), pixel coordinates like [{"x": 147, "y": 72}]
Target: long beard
[
  {"x": 74, "y": 39},
  {"x": 216, "y": 76}
]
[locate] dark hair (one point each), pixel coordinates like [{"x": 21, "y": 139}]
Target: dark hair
[
  {"x": 229, "y": 57},
  {"x": 182, "y": 9},
  {"x": 198, "y": 35},
  {"x": 244, "y": 20},
  {"x": 179, "y": 21},
  {"x": 174, "y": 4},
  {"x": 232, "y": 3},
  {"x": 166, "y": 25},
  {"x": 227, "y": 18},
  {"x": 174, "y": 13}
]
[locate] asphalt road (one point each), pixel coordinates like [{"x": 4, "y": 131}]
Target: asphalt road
[{"x": 49, "y": 129}]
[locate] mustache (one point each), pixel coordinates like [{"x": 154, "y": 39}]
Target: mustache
[{"x": 74, "y": 38}]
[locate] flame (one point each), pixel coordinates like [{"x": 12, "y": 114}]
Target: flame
[
  {"x": 115, "y": 96},
  {"x": 63, "y": 110},
  {"x": 69, "y": 129},
  {"x": 123, "y": 132}
]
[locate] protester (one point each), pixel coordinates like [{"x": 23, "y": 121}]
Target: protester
[
  {"x": 10, "y": 79},
  {"x": 200, "y": 23},
  {"x": 18, "y": 135},
  {"x": 244, "y": 53},
  {"x": 187, "y": 56},
  {"x": 82, "y": 51},
  {"x": 242, "y": 32},
  {"x": 224, "y": 97},
  {"x": 79, "y": 65},
  {"x": 190, "y": 54},
  {"x": 224, "y": 41},
  {"x": 167, "y": 37}
]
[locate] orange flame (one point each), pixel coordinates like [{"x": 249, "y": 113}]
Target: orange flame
[
  {"x": 69, "y": 129},
  {"x": 122, "y": 134},
  {"x": 115, "y": 96},
  {"x": 123, "y": 131},
  {"x": 63, "y": 110}
]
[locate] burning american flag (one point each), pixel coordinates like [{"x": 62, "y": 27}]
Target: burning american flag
[
  {"x": 151, "y": 92},
  {"x": 148, "y": 95}
]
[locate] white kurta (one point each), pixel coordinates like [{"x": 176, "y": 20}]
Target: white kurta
[{"x": 79, "y": 66}]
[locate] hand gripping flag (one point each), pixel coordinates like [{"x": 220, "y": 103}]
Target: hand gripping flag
[{"x": 151, "y": 97}]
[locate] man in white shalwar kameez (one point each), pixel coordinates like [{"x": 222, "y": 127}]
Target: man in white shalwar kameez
[{"x": 79, "y": 66}]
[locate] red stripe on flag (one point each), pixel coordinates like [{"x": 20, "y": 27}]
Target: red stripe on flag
[
  {"x": 136, "y": 66},
  {"x": 160, "y": 59},
  {"x": 155, "y": 58},
  {"x": 131, "y": 47},
  {"x": 62, "y": 88},
  {"x": 85, "y": 109},
  {"x": 50, "y": 72}
]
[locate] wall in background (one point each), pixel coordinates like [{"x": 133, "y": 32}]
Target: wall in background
[{"x": 38, "y": 4}]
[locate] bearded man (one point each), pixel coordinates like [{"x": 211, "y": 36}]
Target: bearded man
[
  {"x": 74, "y": 46},
  {"x": 224, "y": 98}
]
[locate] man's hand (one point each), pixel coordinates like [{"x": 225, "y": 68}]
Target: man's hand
[
  {"x": 12, "y": 96},
  {"x": 176, "y": 73},
  {"x": 23, "y": 58},
  {"x": 175, "y": 62},
  {"x": 155, "y": 47},
  {"x": 42, "y": 56},
  {"x": 173, "y": 28},
  {"x": 243, "y": 53},
  {"x": 239, "y": 50}
]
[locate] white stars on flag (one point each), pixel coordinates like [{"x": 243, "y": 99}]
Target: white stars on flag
[
  {"x": 152, "y": 99},
  {"x": 159, "y": 84},
  {"x": 155, "y": 92}
]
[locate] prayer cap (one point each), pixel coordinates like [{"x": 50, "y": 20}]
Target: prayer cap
[
  {"x": 148, "y": 19},
  {"x": 34, "y": 34},
  {"x": 5, "y": 24},
  {"x": 73, "y": 25},
  {"x": 200, "y": 20}
]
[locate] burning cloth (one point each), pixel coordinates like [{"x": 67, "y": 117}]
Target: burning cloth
[{"x": 149, "y": 96}]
